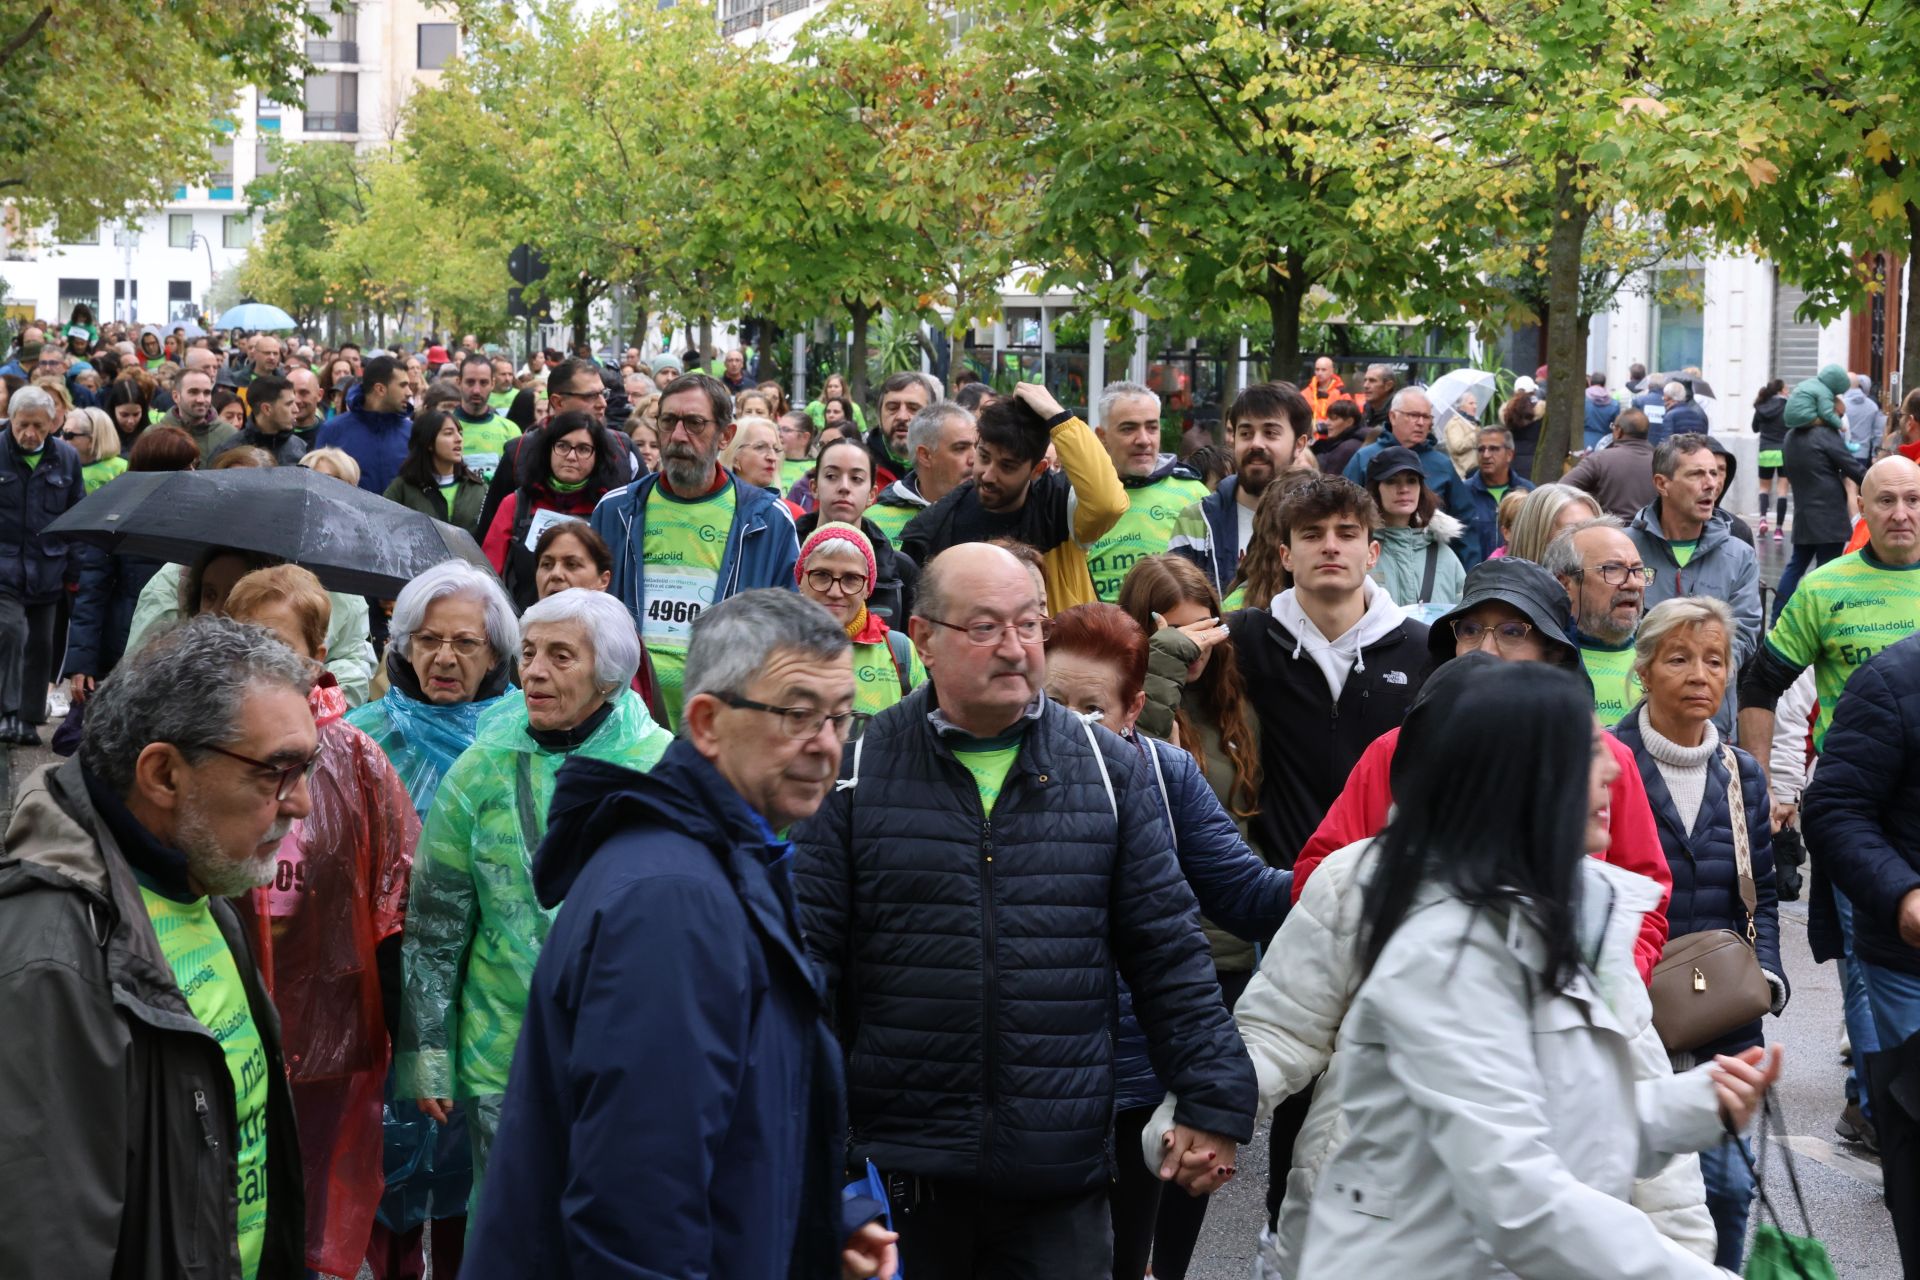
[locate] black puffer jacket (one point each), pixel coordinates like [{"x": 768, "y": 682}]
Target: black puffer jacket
[{"x": 972, "y": 956}]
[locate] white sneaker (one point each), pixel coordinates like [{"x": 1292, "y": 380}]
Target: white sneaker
[{"x": 59, "y": 702}]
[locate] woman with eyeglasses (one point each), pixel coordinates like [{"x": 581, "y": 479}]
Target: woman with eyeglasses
[
  {"x": 91, "y": 433},
  {"x": 474, "y": 924},
  {"x": 837, "y": 570},
  {"x": 754, "y": 457},
  {"x": 563, "y": 469},
  {"x": 326, "y": 927}
]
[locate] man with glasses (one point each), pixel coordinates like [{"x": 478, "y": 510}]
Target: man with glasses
[
  {"x": 691, "y": 535},
  {"x": 152, "y": 1089},
  {"x": 376, "y": 425},
  {"x": 1606, "y": 580},
  {"x": 1492, "y": 481},
  {"x": 1410, "y": 420},
  {"x": 968, "y": 887}
]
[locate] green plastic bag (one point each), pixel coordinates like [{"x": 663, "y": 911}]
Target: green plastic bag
[{"x": 1777, "y": 1254}]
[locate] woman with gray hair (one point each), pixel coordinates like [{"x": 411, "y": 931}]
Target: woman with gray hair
[
  {"x": 1712, "y": 809},
  {"x": 474, "y": 927}
]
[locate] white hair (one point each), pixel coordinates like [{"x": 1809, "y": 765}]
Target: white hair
[
  {"x": 29, "y": 398},
  {"x": 1400, "y": 396},
  {"x": 1675, "y": 391},
  {"x": 616, "y": 644},
  {"x": 456, "y": 578},
  {"x": 1114, "y": 392}
]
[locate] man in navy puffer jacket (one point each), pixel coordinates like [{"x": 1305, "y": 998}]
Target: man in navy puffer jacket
[{"x": 986, "y": 862}]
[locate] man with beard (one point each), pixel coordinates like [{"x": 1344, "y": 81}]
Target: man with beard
[
  {"x": 1270, "y": 429},
  {"x": 484, "y": 430},
  {"x": 901, "y": 396},
  {"x": 945, "y": 445},
  {"x": 1016, "y": 493},
  {"x": 1158, "y": 486},
  {"x": 154, "y": 1131},
  {"x": 689, "y": 535},
  {"x": 1606, "y": 580}
]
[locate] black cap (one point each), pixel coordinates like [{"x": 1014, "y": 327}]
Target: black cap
[
  {"x": 1518, "y": 584},
  {"x": 1393, "y": 460}
]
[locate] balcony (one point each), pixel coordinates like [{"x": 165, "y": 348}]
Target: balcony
[
  {"x": 333, "y": 122},
  {"x": 333, "y": 51}
]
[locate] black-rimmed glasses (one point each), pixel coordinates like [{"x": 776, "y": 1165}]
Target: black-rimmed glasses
[
  {"x": 801, "y": 722},
  {"x": 286, "y": 777}
]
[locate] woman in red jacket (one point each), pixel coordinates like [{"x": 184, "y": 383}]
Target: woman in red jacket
[{"x": 565, "y": 468}]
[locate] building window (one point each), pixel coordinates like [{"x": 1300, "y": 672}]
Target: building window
[
  {"x": 236, "y": 231},
  {"x": 1679, "y": 322},
  {"x": 179, "y": 300},
  {"x": 338, "y": 39},
  {"x": 220, "y": 185},
  {"x": 438, "y": 42},
  {"x": 179, "y": 231},
  {"x": 121, "y": 311},
  {"x": 265, "y": 161},
  {"x": 77, "y": 293},
  {"x": 86, "y": 237},
  {"x": 333, "y": 102},
  {"x": 739, "y": 15}
]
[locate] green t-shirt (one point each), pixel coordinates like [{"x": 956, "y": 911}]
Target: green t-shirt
[
  {"x": 877, "y": 677},
  {"x": 791, "y": 469},
  {"x": 1144, "y": 530},
  {"x": 685, "y": 543},
  {"x": 503, "y": 400},
  {"x": 1498, "y": 491},
  {"x": 204, "y": 968},
  {"x": 891, "y": 519},
  {"x": 482, "y": 442},
  {"x": 989, "y": 763},
  {"x": 1842, "y": 614},
  {"x": 1682, "y": 551},
  {"x": 1236, "y": 599},
  {"x": 1616, "y": 690},
  {"x": 33, "y": 459}
]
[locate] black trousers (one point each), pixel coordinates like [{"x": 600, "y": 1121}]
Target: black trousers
[
  {"x": 952, "y": 1230},
  {"x": 26, "y": 657}
]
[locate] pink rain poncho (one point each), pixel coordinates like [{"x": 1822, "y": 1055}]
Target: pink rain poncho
[{"x": 339, "y": 891}]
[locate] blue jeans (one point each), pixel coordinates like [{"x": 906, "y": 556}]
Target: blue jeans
[
  {"x": 1729, "y": 1199},
  {"x": 1804, "y": 558},
  {"x": 1895, "y": 998},
  {"x": 1861, "y": 1032}
]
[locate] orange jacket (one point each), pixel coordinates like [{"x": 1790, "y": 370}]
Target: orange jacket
[{"x": 1336, "y": 390}]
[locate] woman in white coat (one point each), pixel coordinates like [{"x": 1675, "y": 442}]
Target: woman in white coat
[{"x": 1481, "y": 1114}]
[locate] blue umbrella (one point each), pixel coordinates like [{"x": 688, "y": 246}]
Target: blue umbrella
[{"x": 254, "y": 315}]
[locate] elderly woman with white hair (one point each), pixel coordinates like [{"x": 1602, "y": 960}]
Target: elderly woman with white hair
[
  {"x": 474, "y": 927},
  {"x": 42, "y": 480}
]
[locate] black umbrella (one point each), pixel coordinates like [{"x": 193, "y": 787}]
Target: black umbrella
[
  {"x": 1698, "y": 386},
  {"x": 357, "y": 543}
]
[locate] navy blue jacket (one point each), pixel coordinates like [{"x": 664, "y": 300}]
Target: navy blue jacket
[
  {"x": 675, "y": 1105},
  {"x": 1236, "y": 889},
  {"x": 103, "y": 607},
  {"x": 377, "y": 441},
  {"x": 972, "y": 955},
  {"x": 1706, "y": 877},
  {"x": 1861, "y": 822},
  {"x": 1483, "y": 517},
  {"x": 1221, "y": 559},
  {"x": 1681, "y": 419},
  {"x": 33, "y": 566}
]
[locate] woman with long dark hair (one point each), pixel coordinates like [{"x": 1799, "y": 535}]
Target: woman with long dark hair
[
  {"x": 435, "y": 478},
  {"x": 129, "y": 408},
  {"x": 1485, "y": 1072},
  {"x": 564, "y": 469}
]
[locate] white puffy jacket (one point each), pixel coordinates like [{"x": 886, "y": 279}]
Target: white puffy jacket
[{"x": 1290, "y": 1017}]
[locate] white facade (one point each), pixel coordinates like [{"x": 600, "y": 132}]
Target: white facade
[{"x": 364, "y": 69}]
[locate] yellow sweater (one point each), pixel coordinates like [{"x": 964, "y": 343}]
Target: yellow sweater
[{"x": 1099, "y": 499}]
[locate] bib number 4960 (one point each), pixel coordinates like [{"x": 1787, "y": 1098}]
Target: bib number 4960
[{"x": 678, "y": 611}]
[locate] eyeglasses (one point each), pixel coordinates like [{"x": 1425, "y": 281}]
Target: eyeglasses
[
  {"x": 802, "y": 722},
  {"x": 286, "y": 777},
  {"x": 695, "y": 426},
  {"x": 598, "y": 393},
  {"x": 76, "y": 435},
  {"x": 852, "y": 584},
  {"x": 1615, "y": 574},
  {"x": 426, "y": 644},
  {"x": 566, "y": 450},
  {"x": 765, "y": 448},
  {"x": 1026, "y": 630},
  {"x": 1505, "y": 634},
  {"x": 1411, "y": 416}
]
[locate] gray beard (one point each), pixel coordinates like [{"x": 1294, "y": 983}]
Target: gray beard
[
  {"x": 688, "y": 476},
  {"x": 220, "y": 875}
]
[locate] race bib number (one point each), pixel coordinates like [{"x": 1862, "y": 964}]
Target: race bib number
[
  {"x": 485, "y": 463},
  {"x": 674, "y": 600},
  {"x": 289, "y": 873},
  {"x": 543, "y": 521}
]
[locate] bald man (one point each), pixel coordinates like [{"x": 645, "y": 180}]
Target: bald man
[{"x": 1036, "y": 859}]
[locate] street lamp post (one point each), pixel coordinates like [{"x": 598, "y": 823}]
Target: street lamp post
[
  {"x": 206, "y": 300},
  {"x": 125, "y": 239}
]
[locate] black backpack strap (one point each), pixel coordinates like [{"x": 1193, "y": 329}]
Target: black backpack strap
[{"x": 1426, "y": 578}]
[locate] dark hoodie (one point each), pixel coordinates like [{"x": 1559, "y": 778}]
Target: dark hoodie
[
  {"x": 1741, "y": 529},
  {"x": 676, "y": 1087}
]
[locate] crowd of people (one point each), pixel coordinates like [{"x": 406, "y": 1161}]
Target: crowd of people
[{"x": 840, "y": 839}]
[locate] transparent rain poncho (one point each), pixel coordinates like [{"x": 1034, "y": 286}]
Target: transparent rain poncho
[
  {"x": 340, "y": 889},
  {"x": 429, "y": 1167},
  {"x": 474, "y": 927}
]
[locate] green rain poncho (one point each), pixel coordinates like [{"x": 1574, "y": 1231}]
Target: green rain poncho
[{"x": 474, "y": 929}]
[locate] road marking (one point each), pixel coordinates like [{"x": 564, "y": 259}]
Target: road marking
[{"x": 1837, "y": 1158}]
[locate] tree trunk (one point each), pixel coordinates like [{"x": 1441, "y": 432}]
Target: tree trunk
[
  {"x": 857, "y": 358},
  {"x": 641, "y": 318},
  {"x": 582, "y": 295},
  {"x": 706, "y": 342},
  {"x": 1910, "y": 324},
  {"x": 772, "y": 353},
  {"x": 1286, "y": 292},
  {"x": 1566, "y": 334}
]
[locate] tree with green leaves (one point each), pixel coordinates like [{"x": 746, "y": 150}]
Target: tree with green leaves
[{"x": 103, "y": 111}]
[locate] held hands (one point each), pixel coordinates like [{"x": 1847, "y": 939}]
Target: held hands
[
  {"x": 1742, "y": 1081},
  {"x": 871, "y": 1253},
  {"x": 1784, "y": 812},
  {"x": 1037, "y": 398},
  {"x": 1199, "y": 1161},
  {"x": 81, "y": 687}
]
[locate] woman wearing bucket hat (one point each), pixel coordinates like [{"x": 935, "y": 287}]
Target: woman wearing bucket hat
[
  {"x": 837, "y": 570},
  {"x": 1516, "y": 611},
  {"x": 1416, "y": 566}
]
